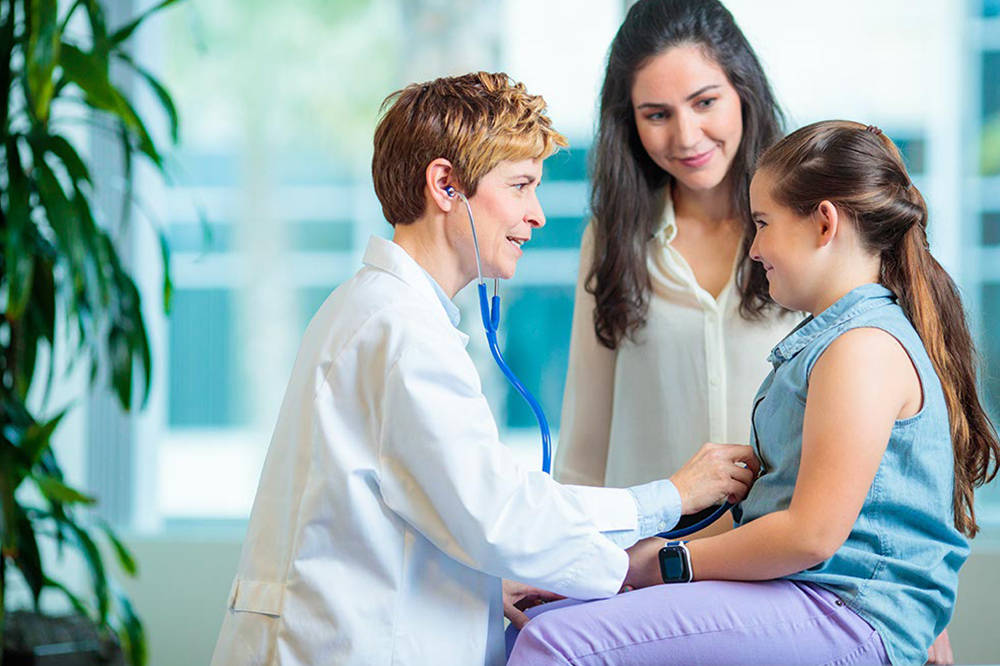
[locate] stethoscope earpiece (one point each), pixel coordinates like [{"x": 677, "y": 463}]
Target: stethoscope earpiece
[{"x": 450, "y": 191}]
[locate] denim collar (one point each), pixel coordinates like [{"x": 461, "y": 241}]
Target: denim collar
[{"x": 853, "y": 303}]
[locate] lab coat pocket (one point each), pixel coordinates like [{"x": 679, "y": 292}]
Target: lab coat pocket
[{"x": 256, "y": 596}]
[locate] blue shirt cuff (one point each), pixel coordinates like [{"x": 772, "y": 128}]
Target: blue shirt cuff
[{"x": 658, "y": 508}]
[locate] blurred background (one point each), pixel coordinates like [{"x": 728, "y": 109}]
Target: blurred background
[{"x": 270, "y": 207}]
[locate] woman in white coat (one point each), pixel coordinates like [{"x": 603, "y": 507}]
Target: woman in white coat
[{"x": 388, "y": 511}]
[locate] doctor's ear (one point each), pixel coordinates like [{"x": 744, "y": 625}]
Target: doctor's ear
[
  {"x": 828, "y": 219},
  {"x": 438, "y": 184}
]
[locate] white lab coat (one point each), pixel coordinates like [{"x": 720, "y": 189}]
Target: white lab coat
[{"x": 388, "y": 510}]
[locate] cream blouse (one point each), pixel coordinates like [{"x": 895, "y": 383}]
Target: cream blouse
[{"x": 638, "y": 413}]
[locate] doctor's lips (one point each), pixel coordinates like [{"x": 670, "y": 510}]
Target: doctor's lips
[
  {"x": 518, "y": 240},
  {"x": 695, "y": 161}
]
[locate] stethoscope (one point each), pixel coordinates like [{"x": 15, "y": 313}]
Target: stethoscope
[{"x": 490, "y": 311}]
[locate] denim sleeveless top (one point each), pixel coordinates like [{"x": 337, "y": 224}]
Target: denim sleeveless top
[{"x": 899, "y": 567}]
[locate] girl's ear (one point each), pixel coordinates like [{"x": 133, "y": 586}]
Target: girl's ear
[{"x": 827, "y": 218}]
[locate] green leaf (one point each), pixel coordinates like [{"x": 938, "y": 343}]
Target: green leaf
[
  {"x": 74, "y": 600},
  {"x": 55, "y": 490},
  {"x": 42, "y": 56},
  {"x": 132, "y": 634},
  {"x": 88, "y": 72},
  {"x": 166, "y": 101},
  {"x": 28, "y": 559},
  {"x": 168, "y": 284},
  {"x": 121, "y": 365},
  {"x": 38, "y": 436},
  {"x": 8, "y": 515},
  {"x": 125, "y": 558},
  {"x": 98, "y": 576},
  {"x": 18, "y": 255},
  {"x": 67, "y": 154},
  {"x": 123, "y": 33}
]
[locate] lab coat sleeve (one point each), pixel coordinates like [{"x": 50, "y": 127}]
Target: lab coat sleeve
[
  {"x": 443, "y": 470},
  {"x": 582, "y": 454}
]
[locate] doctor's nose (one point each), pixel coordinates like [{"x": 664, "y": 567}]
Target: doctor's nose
[{"x": 535, "y": 215}]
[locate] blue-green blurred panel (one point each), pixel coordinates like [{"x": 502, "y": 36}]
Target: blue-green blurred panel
[
  {"x": 322, "y": 235},
  {"x": 199, "y": 238},
  {"x": 203, "y": 387},
  {"x": 991, "y": 229},
  {"x": 567, "y": 164},
  {"x": 989, "y": 349},
  {"x": 914, "y": 152},
  {"x": 991, "y": 8},
  {"x": 559, "y": 233},
  {"x": 309, "y": 300},
  {"x": 991, "y": 83},
  {"x": 537, "y": 323}
]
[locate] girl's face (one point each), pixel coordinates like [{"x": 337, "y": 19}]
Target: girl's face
[
  {"x": 786, "y": 244},
  {"x": 688, "y": 116}
]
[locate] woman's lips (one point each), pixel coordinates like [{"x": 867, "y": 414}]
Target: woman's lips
[{"x": 696, "y": 161}]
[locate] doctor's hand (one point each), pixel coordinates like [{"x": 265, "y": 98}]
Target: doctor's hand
[
  {"x": 716, "y": 474},
  {"x": 517, "y": 597}
]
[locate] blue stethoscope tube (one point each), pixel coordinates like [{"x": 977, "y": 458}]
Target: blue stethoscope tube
[
  {"x": 489, "y": 309},
  {"x": 491, "y": 322}
]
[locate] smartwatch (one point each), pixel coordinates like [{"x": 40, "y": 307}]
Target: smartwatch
[{"x": 675, "y": 563}]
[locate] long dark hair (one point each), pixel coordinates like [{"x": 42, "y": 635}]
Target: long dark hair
[
  {"x": 860, "y": 170},
  {"x": 626, "y": 197}
]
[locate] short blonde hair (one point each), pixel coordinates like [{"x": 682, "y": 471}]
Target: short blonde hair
[{"x": 475, "y": 121}]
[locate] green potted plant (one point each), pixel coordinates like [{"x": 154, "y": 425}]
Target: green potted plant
[{"x": 62, "y": 279}]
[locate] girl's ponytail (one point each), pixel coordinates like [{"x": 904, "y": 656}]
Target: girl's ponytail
[{"x": 930, "y": 299}]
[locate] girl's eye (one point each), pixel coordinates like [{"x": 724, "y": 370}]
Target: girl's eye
[
  {"x": 760, "y": 223},
  {"x": 656, "y": 115}
]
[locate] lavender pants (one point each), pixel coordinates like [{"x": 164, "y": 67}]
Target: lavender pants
[{"x": 707, "y": 622}]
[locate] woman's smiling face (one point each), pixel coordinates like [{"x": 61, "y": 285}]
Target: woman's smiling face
[{"x": 688, "y": 116}]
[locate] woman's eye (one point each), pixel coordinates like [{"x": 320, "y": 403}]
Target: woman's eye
[
  {"x": 760, "y": 223},
  {"x": 657, "y": 115},
  {"x": 705, "y": 103}
]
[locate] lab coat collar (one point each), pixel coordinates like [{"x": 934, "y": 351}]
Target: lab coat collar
[{"x": 387, "y": 256}]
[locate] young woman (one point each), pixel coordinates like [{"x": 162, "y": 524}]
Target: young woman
[
  {"x": 672, "y": 321},
  {"x": 870, "y": 434}
]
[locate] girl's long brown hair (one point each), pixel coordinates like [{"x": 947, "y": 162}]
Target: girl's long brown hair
[
  {"x": 860, "y": 170},
  {"x": 628, "y": 187}
]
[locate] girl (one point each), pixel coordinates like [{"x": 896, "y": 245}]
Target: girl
[
  {"x": 870, "y": 434},
  {"x": 672, "y": 321}
]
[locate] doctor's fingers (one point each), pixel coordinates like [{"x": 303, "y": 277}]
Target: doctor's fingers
[
  {"x": 740, "y": 453},
  {"x": 514, "y": 614},
  {"x": 741, "y": 480}
]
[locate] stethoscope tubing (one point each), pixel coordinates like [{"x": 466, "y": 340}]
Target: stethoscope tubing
[{"x": 490, "y": 312}]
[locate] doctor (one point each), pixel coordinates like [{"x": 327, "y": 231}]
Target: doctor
[{"x": 388, "y": 511}]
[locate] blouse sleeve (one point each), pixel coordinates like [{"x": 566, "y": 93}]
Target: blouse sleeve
[{"x": 582, "y": 454}]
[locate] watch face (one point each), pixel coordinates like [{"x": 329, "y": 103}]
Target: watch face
[
  {"x": 674, "y": 566},
  {"x": 672, "y": 563}
]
